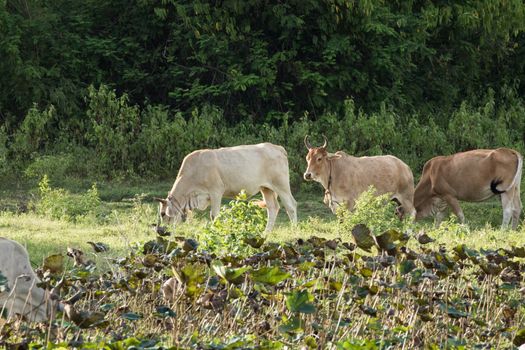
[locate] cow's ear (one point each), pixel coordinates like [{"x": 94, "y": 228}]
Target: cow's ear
[
  {"x": 162, "y": 200},
  {"x": 332, "y": 156}
]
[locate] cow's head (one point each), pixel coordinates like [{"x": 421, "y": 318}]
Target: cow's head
[
  {"x": 317, "y": 159},
  {"x": 168, "y": 213}
]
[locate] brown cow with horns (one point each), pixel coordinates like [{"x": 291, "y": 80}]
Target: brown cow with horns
[
  {"x": 345, "y": 177},
  {"x": 471, "y": 176}
]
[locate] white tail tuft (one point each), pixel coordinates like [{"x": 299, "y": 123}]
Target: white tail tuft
[{"x": 517, "y": 177}]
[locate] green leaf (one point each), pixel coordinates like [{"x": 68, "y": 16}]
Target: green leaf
[
  {"x": 107, "y": 307},
  {"x": 131, "y": 316},
  {"x": 406, "y": 266},
  {"x": 311, "y": 343},
  {"x": 269, "y": 275},
  {"x": 362, "y": 237},
  {"x": 164, "y": 311},
  {"x": 292, "y": 325},
  {"x": 254, "y": 242},
  {"x": 519, "y": 339},
  {"x": 229, "y": 274},
  {"x": 300, "y": 302},
  {"x": 54, "y": 264},
  {"x": 452, "y": 311},
  {"x": 190, "y": 274}
]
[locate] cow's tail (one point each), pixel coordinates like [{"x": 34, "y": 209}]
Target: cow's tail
[
  {"x": 494, "y": 186},
  {"x": 517, "y": 177}
]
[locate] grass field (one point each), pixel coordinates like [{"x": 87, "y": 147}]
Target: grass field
[
  {"x": 303, "y": 294},
  {"x": 131, "y": 212}
]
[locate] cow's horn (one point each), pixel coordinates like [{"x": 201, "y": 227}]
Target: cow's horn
[
  {"x": 162, "y": 200},
  {"x": 325, "y": 142},
  {"x": 306, "y": 143}
]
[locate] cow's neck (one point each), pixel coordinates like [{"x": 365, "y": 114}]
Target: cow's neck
[
  {"x": 327, "y": 178},
  {"x": 179, "y": 195}
]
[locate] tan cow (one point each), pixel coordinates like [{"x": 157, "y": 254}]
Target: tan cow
[
  {"x": 345, "y": 177},
  {"x": 207, "y": 175},
  {"x": 472, "y": 176},
  {"x": 21, "y": 295}
]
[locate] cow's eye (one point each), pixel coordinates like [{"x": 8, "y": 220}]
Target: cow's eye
[{"x": 319, "y": 159}]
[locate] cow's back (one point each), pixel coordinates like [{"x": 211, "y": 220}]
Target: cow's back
[
  {"x": 468, "y": 175},
  {"x": 246, "y": 167},
  {"x": 388, "y": 174},
  {"x": 14, "y": 260}
]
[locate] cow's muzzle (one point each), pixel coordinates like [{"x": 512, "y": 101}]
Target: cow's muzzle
[{"x": 308, "y": 176}]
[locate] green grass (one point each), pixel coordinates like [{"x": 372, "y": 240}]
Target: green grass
[
  {"x": 130, "y": 212},
  {"x": 335, "y": 291}
]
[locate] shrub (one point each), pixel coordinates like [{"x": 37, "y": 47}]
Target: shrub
[
  {"x": 54, "y": 166},
  {"x": 35, "y": 133},
  {"x": 114, "y": 129},
  {"x": 4, "y": 165},
  {"x": 377, "y": 212},
  {"x": 241, "y": 219},
  {"x": 57, "y": 203}
]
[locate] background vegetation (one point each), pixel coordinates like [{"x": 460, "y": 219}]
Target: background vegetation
[
  {"x": 325, "y": 283},
  {"x": 120, "y": 90},
  {"x": 100, "y": 101}
]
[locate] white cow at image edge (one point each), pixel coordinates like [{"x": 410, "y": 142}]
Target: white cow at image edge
[{"x": 22, "y": 295}]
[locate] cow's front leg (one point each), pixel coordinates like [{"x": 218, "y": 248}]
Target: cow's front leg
[
  {"x": 215, "y": 204},
  {"x": 439, "y": 217},
  {"x": 454, "y": 204}
]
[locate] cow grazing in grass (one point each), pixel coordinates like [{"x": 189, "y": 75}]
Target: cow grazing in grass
[
  {"x": 19, "y": 293},
  {"x": 210, "y": 174},
  {"x": 472, "y": 176},
  {"x": 345, "y": 177}
]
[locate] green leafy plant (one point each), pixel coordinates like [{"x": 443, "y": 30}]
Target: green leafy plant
[
  {"x": 55, "y": 166},
  {"x": 57, "y": 203},
  {"x": 239, "y": 221},
  {"x": 377, "y": 212}
]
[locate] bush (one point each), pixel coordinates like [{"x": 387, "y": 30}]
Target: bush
[
  {"x": 241, "y": 219},
  {"x": 115, "y": 126},
  {"x": 35, "y": 134},
  {"x": 377, "y": 212},
  {"x": 57, "y": 203},
  {"x": 54, "y": 166},
  {"x": 4, "y": 165}
]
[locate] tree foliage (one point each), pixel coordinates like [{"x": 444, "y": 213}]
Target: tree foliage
[{"x": 265, "y": 68}]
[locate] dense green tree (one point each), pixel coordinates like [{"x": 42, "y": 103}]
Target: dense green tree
[{"x": 268, "y": 69}]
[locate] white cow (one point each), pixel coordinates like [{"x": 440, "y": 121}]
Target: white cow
[
  {"x": 210, "y": 174},
  {"x": 21, "y": 295}
]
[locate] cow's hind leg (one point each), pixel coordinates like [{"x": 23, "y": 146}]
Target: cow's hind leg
[
  {"x": 506, "y": 203},
  {"x": 282, "y": 188},
  {"x": 516, "y": 205},
  {"x": 272, "y": 206},
  {"x": 511, "y": 203},
  {"x": 516, "y": 209},
  {"x": 290, "y": 204}
]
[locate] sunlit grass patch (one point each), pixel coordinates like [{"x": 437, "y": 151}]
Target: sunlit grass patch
[{"x": 304, "y": 285}]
